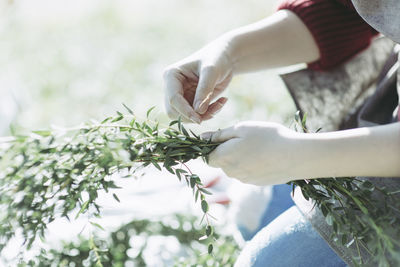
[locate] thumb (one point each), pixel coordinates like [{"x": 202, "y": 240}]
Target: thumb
[
  {"x": 207, "y": 81},
  {"x": 220, "y": 135}
]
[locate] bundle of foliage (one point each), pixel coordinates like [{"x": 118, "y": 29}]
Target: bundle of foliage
[
  {"x": 114, "y": 249},
  {"x": 359, "y": 212},
  {"x": 51, "y": 174}
]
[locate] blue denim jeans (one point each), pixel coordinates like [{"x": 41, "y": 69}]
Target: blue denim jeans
[
  {"x": 280, "y": 201},
  {"x": 287, "y": 241}
]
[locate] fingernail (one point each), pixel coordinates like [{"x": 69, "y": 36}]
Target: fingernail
[{"x": 195, "y": 119}]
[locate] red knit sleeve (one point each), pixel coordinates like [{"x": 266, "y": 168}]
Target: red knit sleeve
[{"x": 336, "y": 27}]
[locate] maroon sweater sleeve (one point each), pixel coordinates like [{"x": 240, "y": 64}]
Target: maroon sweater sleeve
[{"x": 336, "y": 27}]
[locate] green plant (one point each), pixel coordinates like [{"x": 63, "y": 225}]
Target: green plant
[
  {"x": 359, "y": 212},
  {"x": 114, "y": 249},
  {"x": 52, "y": 174}
]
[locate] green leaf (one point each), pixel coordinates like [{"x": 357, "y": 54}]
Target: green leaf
[
  {"x": 116, "y": 198},
  {"x": 196, "y": 148},
  {"x": 204, "y": 206},
  {"x": 209, "y": 230},
  {"x": 173, "y": 122},
  {"x": 149, "y": 111},
  {"x": 205, "y": 191},
  {"x": 344, "y": 239},
  {"x": 156, "y": 164},
  {"x": 128, "y": 109},
  {"x": 192, "y": 182},
  {"x": 169, "y": 169},
  {"x": 185, "y": 132},
  {"x": 180, "y": 123},
  {"x": 83, "y": 208},
  {"x": 97, "y": 225},
  {"x": 42, "y": 133},
  {"x": 119, "y": 118},
  {"x": 195, "y": 135},
  {"x": 106, "y": 120},
  {"x": 210, "y": 248},
  {"x": 303, "y": 121}
]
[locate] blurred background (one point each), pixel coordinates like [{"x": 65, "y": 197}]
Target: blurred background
[{"x": 66, "y": 62}]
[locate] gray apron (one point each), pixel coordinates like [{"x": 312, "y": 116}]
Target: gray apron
[{"x": 361, "y": 92}]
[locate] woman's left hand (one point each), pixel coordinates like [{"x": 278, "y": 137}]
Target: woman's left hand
[{"x": 255, "y": 152}]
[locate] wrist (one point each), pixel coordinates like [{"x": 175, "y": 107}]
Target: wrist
[{"x": 229, "y": 44}]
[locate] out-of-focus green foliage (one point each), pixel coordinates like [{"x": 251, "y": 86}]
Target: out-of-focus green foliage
[{"x": 113, "y": 251}]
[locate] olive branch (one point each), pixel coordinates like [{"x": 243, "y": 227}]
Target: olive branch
[
  {"x": 52, "y": 174},
  {"x": 363, "y": 216}
]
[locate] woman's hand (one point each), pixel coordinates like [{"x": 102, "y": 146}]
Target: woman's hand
[
  {"x": 255, "y": 152},
  {"x": 265, "y": 153},
  {"x": 191, "y": 85}
]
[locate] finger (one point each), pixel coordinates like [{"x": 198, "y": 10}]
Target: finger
[
  {"x": 207, "y": 82},
  {"x": 180, "y": 104},
  {"x": 174, "y": 94},
  {"x": 220, "y": 135},
  {"x": 173, "y": 114},
  {"x": 214, "y": 108}
]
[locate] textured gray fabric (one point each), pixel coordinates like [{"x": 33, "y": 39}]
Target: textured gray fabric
[
  {"x": 331, "y": 100},
  {"x": 330, "y": 97},
  {"x": 383, "y": 15}
]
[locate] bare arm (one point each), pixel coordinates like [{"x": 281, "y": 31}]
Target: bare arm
[
  {"x": 193, "y": 84},
  {"x": 279, "y": 40},
  {"x": 372, "y": 151},
  {"x": 265, "y": 153}
]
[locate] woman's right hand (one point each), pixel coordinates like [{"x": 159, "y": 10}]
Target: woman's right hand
[{"x": 192, "y": 84}]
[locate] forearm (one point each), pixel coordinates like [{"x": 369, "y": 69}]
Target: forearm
[
  {"x": 373, "y": 151},
  {"x": 279, "y": 40}
]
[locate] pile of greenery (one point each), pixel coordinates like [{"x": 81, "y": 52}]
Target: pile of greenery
[
  {"x": 360, "y": 213},
  {"x": 114, "y": 249},
  {"x": 52, "y": 174}
]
